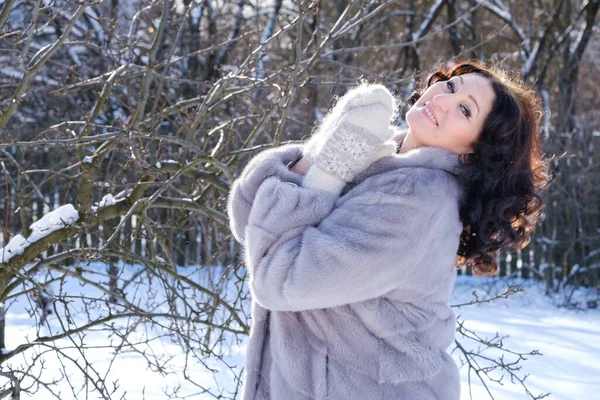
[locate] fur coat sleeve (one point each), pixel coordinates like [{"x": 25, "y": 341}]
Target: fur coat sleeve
[
  {"x": 309, "y": 249},
  {"x": 271, "y": 162}
]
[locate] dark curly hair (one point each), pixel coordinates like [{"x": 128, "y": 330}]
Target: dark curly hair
[{"x": 505, "y": 177}]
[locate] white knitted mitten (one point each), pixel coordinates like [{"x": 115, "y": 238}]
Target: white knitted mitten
[{"x": 350, "y": 138}]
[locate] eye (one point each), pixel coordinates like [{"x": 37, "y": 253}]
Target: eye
[
  {"x": 465, "y": 110},
  {"x": 450, "y": 86}
]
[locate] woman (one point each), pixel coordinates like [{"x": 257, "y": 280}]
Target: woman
[{"x": 351, "y": 254}]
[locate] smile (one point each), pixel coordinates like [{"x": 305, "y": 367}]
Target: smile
[{"x": 430, "y": 115}]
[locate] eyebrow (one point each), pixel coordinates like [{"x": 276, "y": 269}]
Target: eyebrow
[{"x": 462, "y": 82}]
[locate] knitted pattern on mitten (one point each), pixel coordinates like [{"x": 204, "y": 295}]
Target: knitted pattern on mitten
[
  {"x": 347, "y": 152},
  {"x": 351, "y": 135}
]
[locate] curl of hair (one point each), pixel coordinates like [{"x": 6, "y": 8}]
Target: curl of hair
[{"x": 504, "y": 179}]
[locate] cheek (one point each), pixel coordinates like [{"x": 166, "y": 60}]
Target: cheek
[
  {"x": 412, "y": 117},
  {"x": 463, "y": 134}
]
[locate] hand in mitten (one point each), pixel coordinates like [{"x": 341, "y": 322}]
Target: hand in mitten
[{"x": 351, "y": 137}]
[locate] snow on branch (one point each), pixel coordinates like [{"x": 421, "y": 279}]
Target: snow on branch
[
  {"x": 15, "y": 247},
  {"x": 263, "y": 56},
  {"x": 504, "y": 14},
  {"x": 57, "y": 219},
  {"x": 431, "y": 16},
  {"x": 107, "y": 200}
]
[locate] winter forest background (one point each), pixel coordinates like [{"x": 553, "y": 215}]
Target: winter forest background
[{"x": 124, "y": 122}]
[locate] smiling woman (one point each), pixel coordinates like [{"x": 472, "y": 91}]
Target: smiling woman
[
  {"x": 450, "y": 114},
  {"x": 491, "y": 119},
  {"x": 351, "y": 253}
]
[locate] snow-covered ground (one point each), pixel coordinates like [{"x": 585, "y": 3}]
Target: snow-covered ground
[{"x": 568, "y": 339}]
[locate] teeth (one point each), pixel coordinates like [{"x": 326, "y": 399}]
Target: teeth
[{"x": 431, "y": 115}]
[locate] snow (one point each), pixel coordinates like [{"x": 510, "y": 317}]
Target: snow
[
  {"x": 52, "y": 221},
  {"x": 592, "y": 254},
  {"x": 75, "y": 52},
  {"x": 180, "y": 9},
  {"x": 87, "y": 159},
  {"x": 12, "y": 72},
  {"x": 16, "y": 246},
  {"x": 230, "y": 68},
  {"x": 159, "y": 164},
  {"x": 545, "y": 240},
  {"x": 567, "y": 339},
  {"x": 568, "y": 367},
  {"x": 107, "y": 200},
  {"x": 93, "y": 21},
  {"x": 152, "y": 339},
  {"x": 46, "y": 81}
]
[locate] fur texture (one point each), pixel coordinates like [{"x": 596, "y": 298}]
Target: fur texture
[{"x": 350, "y": 294}]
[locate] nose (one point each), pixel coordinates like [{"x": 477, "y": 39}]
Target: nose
[{"x": 443, "y": 101}]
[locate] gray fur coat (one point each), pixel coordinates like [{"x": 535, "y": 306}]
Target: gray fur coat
[{"x": 350, "y": 293}]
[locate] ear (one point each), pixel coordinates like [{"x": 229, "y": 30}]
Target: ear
[{"x": 467, "y": 158}]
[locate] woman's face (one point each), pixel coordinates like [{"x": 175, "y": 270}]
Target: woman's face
[{"x": 450, "y": 114}]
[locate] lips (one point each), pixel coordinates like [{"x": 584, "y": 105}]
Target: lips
[{"x": 430, "y": 115}]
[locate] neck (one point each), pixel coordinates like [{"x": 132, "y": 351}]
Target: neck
[{"x": 408, "y": 144}]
